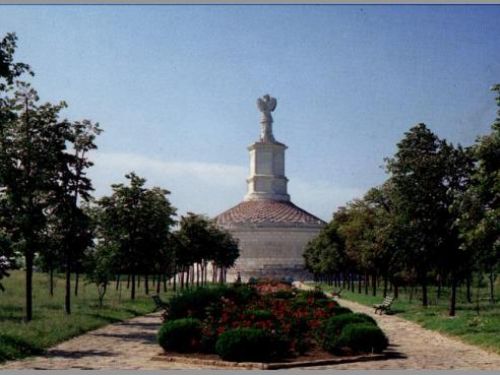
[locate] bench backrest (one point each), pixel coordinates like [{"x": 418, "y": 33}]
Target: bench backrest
[{"x": 387, "y": 300}]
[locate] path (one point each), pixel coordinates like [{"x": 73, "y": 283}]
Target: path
[
  {"x": 420, "y": 348},
  {"x": 126, "y": 345},
  {"x": 132, "y": 344}
]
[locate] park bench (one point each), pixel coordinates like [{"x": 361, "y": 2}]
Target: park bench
[
  {"x": 160, "y": 305},
  {"x": 384, "y": 306}
]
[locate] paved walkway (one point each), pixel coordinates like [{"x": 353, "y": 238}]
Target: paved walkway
[
  {"x": 421, "y": 348},
  {"x": 126, "y": 345},
  {"x": 132, "y": 344}
]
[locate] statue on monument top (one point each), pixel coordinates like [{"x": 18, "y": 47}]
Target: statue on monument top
[{"x": 266, "y": 105}]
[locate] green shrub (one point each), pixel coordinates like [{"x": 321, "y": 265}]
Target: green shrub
[
  {"x": 240, "y": 294},
  {"x": 339, "y": 310},
  {"x": 257, "y": 315},
  {"x": 315, "y": 294},
  {"x": 332, "y": 328},
  {"x": 362, "y": 337},
  {"x": 181, "y": 335},
  {"x": 245, "y": 344},
  {"x": 193, "y": 303},
  {"x": 283, "y": 294}
]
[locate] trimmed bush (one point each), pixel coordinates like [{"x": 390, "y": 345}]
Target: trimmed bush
[
  {"x": 333, "y": 327},
  {"x": 339, "y": 310},
  {"x": 362, "y": 337},
  {"x": 193, "y": 303},
  {"x": 259, "y": 314},
  {"x": 315, "y": 294},
  {"x": 283, "y": 294},
  {"x": 245, "y": 344},
  {"x": 181, "y": 335}
]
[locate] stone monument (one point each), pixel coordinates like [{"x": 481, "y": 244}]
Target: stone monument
[{"x": 271, "y": 230}]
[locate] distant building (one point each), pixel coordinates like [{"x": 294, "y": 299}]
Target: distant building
[{"x": 271, "y": 230}]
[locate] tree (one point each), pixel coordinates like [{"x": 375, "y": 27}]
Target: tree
[
  {"x": 480, "y": 205},
  {"x": 325, "y": 254},
  {"x": 100, "y": 265},
  {"x": 9, "y": 70},
  {"x": 420, "y": 194},
  {"x": 135, "y": 221},
  {"x": 200, "y": 241},
  {"x": 225, "y": 250},
  {"x": 31, "y": 143},
  {"x": 71, "y": 222}
]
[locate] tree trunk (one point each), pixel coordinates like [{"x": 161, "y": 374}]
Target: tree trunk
[
  {"x": 468, "y": 291},
  {"x": 359, "y": 283},
  {"x": 197, "y": 274},
  {"x": 374, "y": 284},
  {"x": 492, "y": 286},
  {"x": 367, "y": 282},
  {"x": 425, "y": 301},
  {"x": 158, "y": 284},
  {"x": 51, "y": 281},
  {"x": 146, "y": 284},
  {"x": 385, "y": 285},
  {"x": 128, "y": 281},
  {"x": 76, "y": 284},
  {"x": 132, "y": 289},
  {"x": 29, "y": 284},
  {"x": 138, "y": 281},
  {"x": 439, "y": 287},
  {"x": 67, "y": 298},
  {"x": 453, "y": 296},
  {"x": 117, "y": 282},
  {"x": 396, "y": 291}
]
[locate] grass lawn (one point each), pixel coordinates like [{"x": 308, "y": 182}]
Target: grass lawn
[
  {"x": 478, "y": 327},
  {"x": 50, "y": 324}
]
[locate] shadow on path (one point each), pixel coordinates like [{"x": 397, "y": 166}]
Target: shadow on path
[{"x": 77, "y": 354}]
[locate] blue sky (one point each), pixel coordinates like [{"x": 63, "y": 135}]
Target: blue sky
[{"x": 174, "y": 88}]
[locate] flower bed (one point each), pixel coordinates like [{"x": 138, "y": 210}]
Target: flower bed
[{"x": 265, "y": 322}]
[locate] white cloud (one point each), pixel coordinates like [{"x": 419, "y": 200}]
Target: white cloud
[
  {"x": 321, "y": 198},
  {"x": 208, "y": 188}
]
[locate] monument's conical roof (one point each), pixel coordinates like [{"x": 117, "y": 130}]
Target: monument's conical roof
[{"x": 267, "y": 211}]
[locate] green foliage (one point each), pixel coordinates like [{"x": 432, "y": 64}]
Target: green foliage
[
  {"x": 315, "y": 294},
  {"x": 325, "y": 254},
  {"x": 194, "y": 302},
  {"x": 333, "y": 327},
  {"x": 245, "y": 345},
  {"x": 360, "y": 337},
  {"x": 256, "y": 315},
  {"x": 4, "y": 266},
  {"x": 283, "y": 294},
  {"x": 339, "y": 310},
  {"x": 180, "y": 335},
  {"x": 135, "y": 221},
  {"x": 199, "y": 240}
]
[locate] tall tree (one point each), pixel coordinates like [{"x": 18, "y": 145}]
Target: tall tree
[
  {"x": 480, "y": 219},
  {"x": 136, "y": 222},
  {"x": 420, "y": 194},
  {"x": 31, "y": 144},
  {"x": 72, "y": 223}
]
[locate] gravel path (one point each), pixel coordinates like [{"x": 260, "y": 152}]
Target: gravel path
[
  {"x": 420, "y": 348},
  {"x": 126, "y": 345},
  {"x": 132, "y": 344}
]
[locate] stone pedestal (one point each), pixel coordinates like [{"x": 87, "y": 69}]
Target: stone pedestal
[{"x": 267, "y": 172}]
